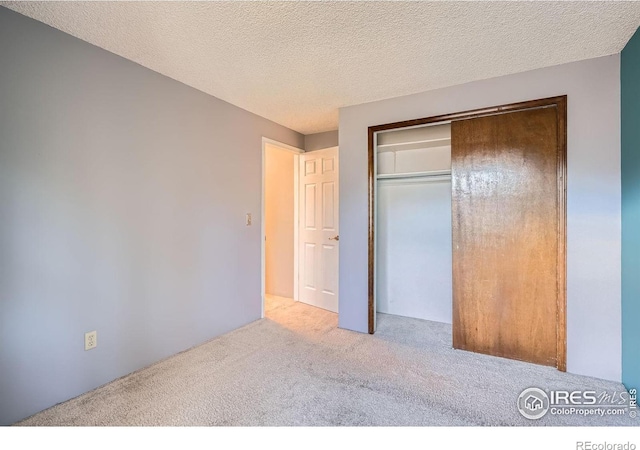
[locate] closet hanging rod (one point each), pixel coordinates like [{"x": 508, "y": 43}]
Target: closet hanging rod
[
  {"x": 429, "y": 174},
  {"x": 413, "y": 180}
]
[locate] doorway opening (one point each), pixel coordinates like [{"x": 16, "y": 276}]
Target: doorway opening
[
  {"x": 280, "y": 164},
  {"x": 300, "y": 241}
]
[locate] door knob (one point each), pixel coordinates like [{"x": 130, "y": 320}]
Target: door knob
[{"x": 335, "y": 238}]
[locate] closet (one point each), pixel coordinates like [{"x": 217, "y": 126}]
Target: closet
[
  {"x": 467, "y": 226},
  {"x": 413, "y": 242}
]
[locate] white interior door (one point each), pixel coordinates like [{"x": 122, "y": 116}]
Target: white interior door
[{"x": 318, "y": 245}]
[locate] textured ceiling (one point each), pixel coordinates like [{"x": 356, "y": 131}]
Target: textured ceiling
[{"x": 296, "y": 63}]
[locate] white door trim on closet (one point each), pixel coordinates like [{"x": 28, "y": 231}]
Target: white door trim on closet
[{"x": 296, "y": 151}]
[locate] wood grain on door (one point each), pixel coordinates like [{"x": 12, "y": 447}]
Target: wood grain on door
[{"x": 506, "y": 224}]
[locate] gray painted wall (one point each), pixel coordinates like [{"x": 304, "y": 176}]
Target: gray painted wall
[
  {"x": 593, "y": 237},
  {"x": 319, "y": 141},
  {"x": 123, "y": 196}
]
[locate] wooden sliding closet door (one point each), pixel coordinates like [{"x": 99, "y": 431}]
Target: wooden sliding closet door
[{"x": 507, "y": 235}]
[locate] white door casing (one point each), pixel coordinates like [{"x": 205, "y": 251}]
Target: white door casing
[{"x": 318, "y": 230}]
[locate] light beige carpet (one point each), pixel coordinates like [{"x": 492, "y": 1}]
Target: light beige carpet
[{"x": 297, "y": 368}]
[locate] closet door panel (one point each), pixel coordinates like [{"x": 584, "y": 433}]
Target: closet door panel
[{"x": 505, "y": 235}]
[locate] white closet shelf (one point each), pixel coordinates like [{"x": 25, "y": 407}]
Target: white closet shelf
[
  {"x": 431, "y": 173},
  {"x": 425, "y": 143}
]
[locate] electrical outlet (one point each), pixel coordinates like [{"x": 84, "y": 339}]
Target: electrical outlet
[{"x": 90, "y": 340}]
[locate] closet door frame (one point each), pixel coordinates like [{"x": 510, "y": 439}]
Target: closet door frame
[{"x": 560, "y": 103}]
